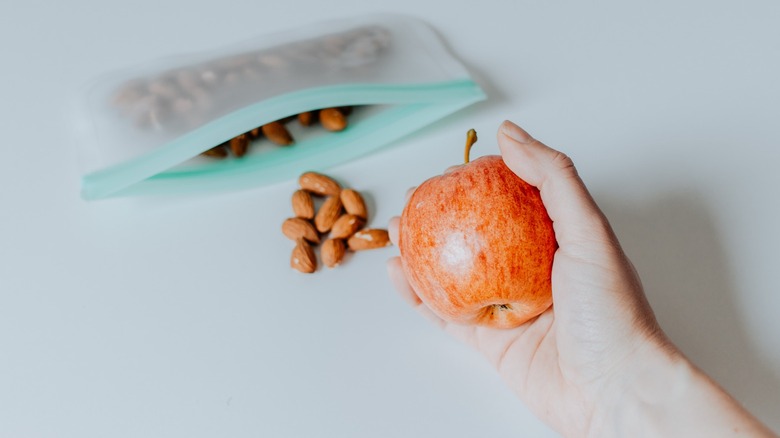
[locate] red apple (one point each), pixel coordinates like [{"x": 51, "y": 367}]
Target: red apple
[{"x": 477, "y": 245}]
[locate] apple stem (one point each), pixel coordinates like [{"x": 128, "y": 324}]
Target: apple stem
[{"x": 471, "y": 138}]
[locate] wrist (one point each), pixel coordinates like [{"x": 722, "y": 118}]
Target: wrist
[
  {"x": 661, "y": 393},
  {"x": 654, "y": 375}
]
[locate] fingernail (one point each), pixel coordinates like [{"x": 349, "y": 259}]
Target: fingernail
[{"x": 515, "y": 132}]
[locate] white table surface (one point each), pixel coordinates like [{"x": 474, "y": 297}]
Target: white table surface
[{"x": 181, "y": 317}]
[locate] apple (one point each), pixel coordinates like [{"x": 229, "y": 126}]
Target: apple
[{"x": 477, "y": 245}]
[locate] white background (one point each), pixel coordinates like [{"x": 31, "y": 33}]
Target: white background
[{"x": 181, "y": 317}]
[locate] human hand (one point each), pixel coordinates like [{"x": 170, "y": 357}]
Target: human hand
[{"x": 574, "y": 364}]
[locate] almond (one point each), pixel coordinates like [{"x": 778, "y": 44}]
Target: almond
[
  {"x": 332, "y": 252},
  {"x": 303, "y": 258},
  {"x": 353, "y": 203},
  {"x": 306, "y": 118},
  {"x": 328, "y": 214},
  {"x": 368, "y": 239},
  {"x": 239, "y": 144},
  {"x": 346, "y": 226},
  {"x": 254, "y": 134},
  {"x": 216, "y": 152},
  {"x": 319, "y": 184},
  {"x": 303, "y": 205},
  {"x": 296, "y": 228},
  {"x": 332, "y": 119},
  {"x": 277, "y": 133}
]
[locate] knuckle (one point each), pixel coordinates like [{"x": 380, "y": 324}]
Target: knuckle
[{"x": 563, "y": 163}]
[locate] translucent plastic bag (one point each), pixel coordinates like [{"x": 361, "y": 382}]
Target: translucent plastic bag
[{"x": 145, "y": 129}]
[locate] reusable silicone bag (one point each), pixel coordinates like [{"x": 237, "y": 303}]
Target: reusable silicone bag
[{"x": 146, "y": 127}]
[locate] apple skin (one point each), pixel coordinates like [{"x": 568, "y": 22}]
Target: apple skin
[{"x": 477, "y": 246}]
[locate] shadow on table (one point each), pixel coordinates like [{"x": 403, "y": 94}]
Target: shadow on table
[{"x": 677, "y": 250}]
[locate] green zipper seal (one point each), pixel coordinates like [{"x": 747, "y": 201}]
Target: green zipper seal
[{"x": 415, "y": 106}]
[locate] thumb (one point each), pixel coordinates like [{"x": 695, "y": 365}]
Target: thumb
[{"x": 575, "y": 215}]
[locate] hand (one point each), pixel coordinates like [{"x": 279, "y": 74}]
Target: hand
[{"x": 574, "y": 364}]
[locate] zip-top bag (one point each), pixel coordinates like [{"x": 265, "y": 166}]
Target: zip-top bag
[{"x": 193, "y": 122}]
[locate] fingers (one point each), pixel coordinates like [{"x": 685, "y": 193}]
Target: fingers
[
  {"x": 392, "y": 227},
  {"x": 392, "y": 230},
  {"x": 574, "y": 213},
  {"x": 396, "y": 273},
  {"x": 409, "y": 194}
]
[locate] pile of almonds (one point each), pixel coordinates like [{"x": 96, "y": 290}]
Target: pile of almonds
[
  {"x": 343, "y": 215},
  {"x": 332, "y": 119}
]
